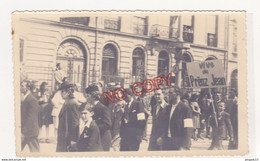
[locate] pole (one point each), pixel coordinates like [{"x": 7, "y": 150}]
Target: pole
[
  {"x": 179, "y": 64},
  {"x": 213, "y": 108}
]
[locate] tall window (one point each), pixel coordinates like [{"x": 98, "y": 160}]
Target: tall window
[
  {"x": 234, "y": 36},
  {"x": 188, "y": 28},
  {"x": 140, "y": 25},
  {"x": 109, "y": 62},
  {"x": 138, "y": 63},
  {"x": 234, "y": 79},
  {"x": 21, "y": 48},
  {"x": 163, "y": 63},
  {"x": 174, "y": 29},
  {"x": 212, "y": 22}
]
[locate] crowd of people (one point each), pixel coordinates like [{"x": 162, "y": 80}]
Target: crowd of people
[{"x": 83, "y": 122}]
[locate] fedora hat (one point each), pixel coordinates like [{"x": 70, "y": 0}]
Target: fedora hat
[{"x": 66, "y": 85}]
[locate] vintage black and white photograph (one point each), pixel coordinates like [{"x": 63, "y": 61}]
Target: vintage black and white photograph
[{"x": 146, "y": 83}]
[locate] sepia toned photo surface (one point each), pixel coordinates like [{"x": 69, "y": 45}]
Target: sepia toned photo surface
[{"x": 139, "y": 83}]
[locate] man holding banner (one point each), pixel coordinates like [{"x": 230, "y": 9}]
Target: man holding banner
[
  {"x": 219, "y": 132},
  {"x": 210, "y": 74}
]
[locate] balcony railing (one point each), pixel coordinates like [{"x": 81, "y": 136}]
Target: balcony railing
[
  {"x": 113, "y": 24},
  {"x": 140, "y": 29},
  {"x": 164, "y": 31},
  {"x": 75, "y": 20}
]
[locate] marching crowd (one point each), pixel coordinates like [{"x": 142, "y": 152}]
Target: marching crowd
[{"x": 83, "y": 122}]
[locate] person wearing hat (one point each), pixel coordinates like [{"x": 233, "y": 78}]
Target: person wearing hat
[
  {"x": 132, "y": 123},
  {"x": 180, "y": 124},
  {"x": 100, "y": 85},
  {"x": 29, "y": 118},
  {"x": 68, "y": 128},
  {"x": 78, "y": 95},
  {"x": 102, "y": 116},
  {"x": 34, "y": 90}
]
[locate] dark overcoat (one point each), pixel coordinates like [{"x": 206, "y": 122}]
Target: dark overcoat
[
  {"x": 181, "y": 125},
  {"x": 133, "y": 126},
  {"x": 68, "y": 128},
  {"x": 224, "y": 123},
  {"x": 29, "y": 116},
  {"x": 159, "y": 126},
  {"x": 102, "y": 117}
]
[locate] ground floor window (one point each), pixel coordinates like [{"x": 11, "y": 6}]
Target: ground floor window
[
  {"x": 163, "y": 63},
  {"x": 109, "y": 63}
]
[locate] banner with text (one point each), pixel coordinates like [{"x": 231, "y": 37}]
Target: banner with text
[{"x": 207, "y": 74}]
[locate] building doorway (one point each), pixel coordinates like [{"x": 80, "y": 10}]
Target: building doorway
[{"x": 72, "y": 58}]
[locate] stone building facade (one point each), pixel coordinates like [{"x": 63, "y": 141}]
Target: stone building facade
[{"x": 121, "y": 48}]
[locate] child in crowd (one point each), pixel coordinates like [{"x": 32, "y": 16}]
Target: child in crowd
[
  {"x": 220, "y": 122},
  {"x": 89, "y": 139}
]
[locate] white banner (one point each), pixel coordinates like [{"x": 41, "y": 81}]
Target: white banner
[{"x": 207, "y": 74}]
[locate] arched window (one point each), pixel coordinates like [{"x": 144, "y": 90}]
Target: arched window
[
  {"x": 72, "y": 56},
  {"x": 163, "y": 63},
  {"x": 211, "y": 58},
  {"x": 109, "y": 62},
  {"x": 186, "y": 58},
  {"x": 138, "y": 62},
  {"x": 138, "y": 68}
]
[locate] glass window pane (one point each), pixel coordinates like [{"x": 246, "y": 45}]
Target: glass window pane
[{"x": 163, "y": 63}]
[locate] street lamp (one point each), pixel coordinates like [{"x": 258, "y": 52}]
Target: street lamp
[{"x": 180, "y": 49}]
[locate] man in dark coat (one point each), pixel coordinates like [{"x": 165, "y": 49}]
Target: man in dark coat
[
  {"x": 117, "y": 113},
  {"x": 68, "y": 128},
  {"x": 160, "y": 122},
  {"x": 234, "y": 122},
  {"x": 29, "y": 118},
  {"x": 180, "y": 126},
  {"x": 102, "y": 116},
  {"x": 231, "y": 108},
  {"x": 219, "y": 129},
  {"x": 132, "y": 124}
]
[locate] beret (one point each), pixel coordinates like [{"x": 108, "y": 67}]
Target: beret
[{"x": 91, "y": 89}]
